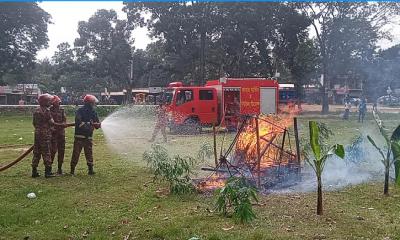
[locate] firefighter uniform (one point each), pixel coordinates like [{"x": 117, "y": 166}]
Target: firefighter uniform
[
  {"x": 86, "y": 121},
  {"x": 42, "y": 121},
  {"x": 58, "y": 135},
  {"x": 161, "y": 123}
]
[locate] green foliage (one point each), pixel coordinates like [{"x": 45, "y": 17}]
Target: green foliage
[
  {"x": 176, "y": 171},
  {"x": 321, "y": 152},
  {"x": 237, "y": 194},
  {"x": 107, "y": 39},
  {"x": 392, "y": 145},
  {"x": 395, "y": 138},
  {"x": 215, "y": 38},
  {"x": 388, "y": 142},
  {"x": 23, "y": 31},
  {"x": 319, "y": 147},
  {"x": 319, "y": 136}
]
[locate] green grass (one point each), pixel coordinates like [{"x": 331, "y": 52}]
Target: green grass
[{"x": 121, "y": 198}]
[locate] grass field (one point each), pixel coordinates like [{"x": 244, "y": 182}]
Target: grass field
[{"x": 121, "y": 201}]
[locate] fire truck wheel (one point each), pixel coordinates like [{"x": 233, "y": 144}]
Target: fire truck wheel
[{"x": 192, "y": 126}]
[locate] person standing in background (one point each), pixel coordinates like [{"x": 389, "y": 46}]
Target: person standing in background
[
  {"x": 161, "y": 122},
  {"x": 362, "y": 109}
]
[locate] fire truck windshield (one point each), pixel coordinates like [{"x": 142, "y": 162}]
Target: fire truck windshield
[{"x": 168, "y": 96}]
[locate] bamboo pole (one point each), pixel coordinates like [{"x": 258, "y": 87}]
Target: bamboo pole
[
  {"x": 215, "y": 146},
  {"x": 296, "y": 138},
  {"x": 258, "y": 154}
]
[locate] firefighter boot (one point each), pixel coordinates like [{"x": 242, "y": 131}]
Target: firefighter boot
[
  {"x": 72, "y": 172},
  {"x": 90, "y": 168},
  {"x": 59, "y": 171},
  {"x": 47, "y": 172},
  {"x": 35, "y": 173}
]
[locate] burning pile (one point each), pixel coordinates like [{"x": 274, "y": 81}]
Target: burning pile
[{"x": 261, "y": 152}]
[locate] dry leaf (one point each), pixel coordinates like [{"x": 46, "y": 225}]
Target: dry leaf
[{"x": 227, "y": 228}]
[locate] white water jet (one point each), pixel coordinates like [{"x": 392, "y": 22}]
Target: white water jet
[{"x": 127, "y": 131}]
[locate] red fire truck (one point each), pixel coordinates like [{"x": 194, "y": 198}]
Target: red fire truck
[{"x": 220, "y": 101}]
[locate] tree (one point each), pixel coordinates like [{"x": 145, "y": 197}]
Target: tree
[
  {"x": 106, "y": 39},
  {"x": 295, "y": 50},
  {"x": 345, "y": 32},
  {"x": 43, "y": 74},
  {"x": 321, "y": 153},
  {"x": 304, "y": 64},
  {"x": 23, "y": 31},
  {"x": 207, "y": 40}
]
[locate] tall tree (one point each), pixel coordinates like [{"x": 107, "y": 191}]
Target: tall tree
[
  {"x": 23, "y": 31},
  {"x": 106, "y": 39},
  {"x": 345, "y": 31},
  {"x": 209, "y": 39}
]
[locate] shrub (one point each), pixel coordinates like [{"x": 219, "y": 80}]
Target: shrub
[
  {"x": 176, "y": 171},
  {"x": 237, "y": 194}
]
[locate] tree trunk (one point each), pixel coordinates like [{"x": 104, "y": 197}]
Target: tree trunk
[
  {"x": 128, "y": 99},
  {"x": 319, "y": 198},
  {"x": 386, "y": 186},
  {"x": 202, "y": 56},
  {"x": 325, "y": 100},
  {"x": 299, "y": 95}
]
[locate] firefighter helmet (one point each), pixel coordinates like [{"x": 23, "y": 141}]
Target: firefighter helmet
[
  {"x": 90, "y": 99},
  {"x": 56, "y": 99},
  {"x": 45, "y": 99}
]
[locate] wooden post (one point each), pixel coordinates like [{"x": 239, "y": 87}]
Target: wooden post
[
  {"x": 215, "y": 145},
  {"x": 296, "y": 138},
  {"x": 258, "y": 154}
]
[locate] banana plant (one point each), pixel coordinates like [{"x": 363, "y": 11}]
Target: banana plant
[
  {"x": 395, "y": 138},
  {"x": 392, "y": 145},
  {"x": 321, "y": 152}
]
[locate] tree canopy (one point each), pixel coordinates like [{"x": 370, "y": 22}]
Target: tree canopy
[{"x": 23, "y": 32}]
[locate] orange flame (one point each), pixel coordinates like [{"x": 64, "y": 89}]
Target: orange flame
[
  {"x": 271, "y": 130},
  {"x": 215, "y": 181}
]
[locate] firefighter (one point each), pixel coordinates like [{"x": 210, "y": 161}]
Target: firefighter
[
  {"x": 58, "y": 133},
  {"x": 161, "y": 122},
  {"x": 362, "y": 109},
  {"x": 42, "y": 121},
  {"x": 86, "y": 121}
]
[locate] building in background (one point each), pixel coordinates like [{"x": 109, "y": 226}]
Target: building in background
[{"x": 11, "y": 95}]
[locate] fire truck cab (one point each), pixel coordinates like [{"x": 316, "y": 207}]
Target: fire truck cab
[{"x": 221, "y": 101}]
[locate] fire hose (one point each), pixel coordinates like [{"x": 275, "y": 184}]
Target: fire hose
[{"x": 26, "y": 153}]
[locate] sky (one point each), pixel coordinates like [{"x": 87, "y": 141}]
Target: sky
[
  {"x": 66, "y": 15},
  {"x": 65, "y": 18}
]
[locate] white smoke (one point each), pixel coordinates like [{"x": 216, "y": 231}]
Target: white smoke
[{"x": 361, "y": 164}]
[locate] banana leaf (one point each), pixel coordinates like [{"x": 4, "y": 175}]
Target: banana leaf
[
  {"x": 395, "y": 141},
  {"x": 314, "y": 139}
]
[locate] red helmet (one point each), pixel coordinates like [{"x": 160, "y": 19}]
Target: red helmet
[
  {"x": 45, "y": 99},
  {"x": 56, "y": 99},
  {"x": 90, "y": 99}
]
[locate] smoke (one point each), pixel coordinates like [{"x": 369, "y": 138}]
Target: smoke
[{"x": 361, "y": 164}]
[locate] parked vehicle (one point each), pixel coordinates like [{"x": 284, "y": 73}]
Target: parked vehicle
[
  {"x": 388, "y": 100},
  {"x": 221, "y": 101}
]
